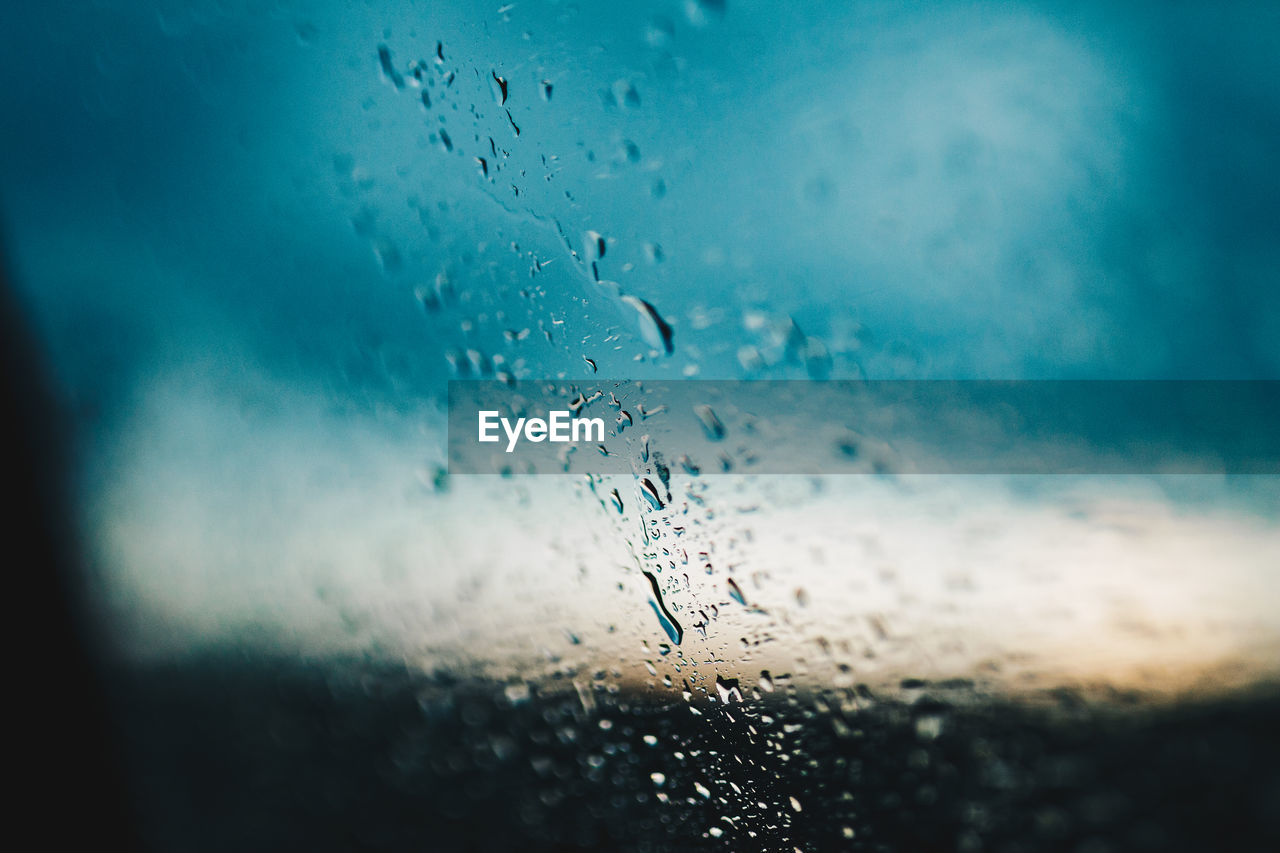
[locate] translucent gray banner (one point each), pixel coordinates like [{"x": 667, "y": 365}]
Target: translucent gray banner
[{"x": 864, "y": 427}]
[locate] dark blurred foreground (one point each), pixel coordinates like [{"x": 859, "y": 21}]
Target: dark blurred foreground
[{"x": 232, "y": 753}]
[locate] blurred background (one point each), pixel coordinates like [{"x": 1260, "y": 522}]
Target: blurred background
[{"x": 246, "y": 245}]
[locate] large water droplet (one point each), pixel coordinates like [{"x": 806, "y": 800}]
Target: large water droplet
[
  {"x": 711, "y": 424},
  {"x": 735, "y": 592},
  {"x": 668, "y": 622},
  {"x": 728, "y": 689},
  {"x": 653, "y": 329},
  {"x": 393, "y": 76},
  {"x": 650, "y": 492},
  {"x": 498, "y": 85}
]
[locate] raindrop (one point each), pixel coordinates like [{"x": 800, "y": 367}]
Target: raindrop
[
  {"x": 668, "y": 622},
  {"x": 795, "y": 804},
  {"x": 653, "y": 329},
  {"x": 728, "y": 689},
  {"x": 650, "y": 492},
  {"x": 625, "y": 94},
  {"x": 388, "y": 70},
  {"x": 735, "y": 592},
  {"x": 591, "y": 364},
  {"x": 817, "y": 360},
  {"x": 700, "y": 12},
  {"x": 658, "y": 779},
  {"x": 766, "y": 681},
  {"x": 546, "y": 90},
  {"x": 617, "y": 500},
  {"x": 928, "y": 727},
  {"x": 711, "y": 424},
  {"x": 499, "y": 87},
  {"x": 659, "y": 32}
]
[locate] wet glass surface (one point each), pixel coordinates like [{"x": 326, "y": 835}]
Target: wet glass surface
[{"x": 250, "y": 244}]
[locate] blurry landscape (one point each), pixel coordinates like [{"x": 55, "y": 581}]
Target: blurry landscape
[{"x": 249, "y": 243}]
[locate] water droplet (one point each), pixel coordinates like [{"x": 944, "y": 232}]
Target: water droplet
[
  {"x": 650, "y": 740},
  {"x": 728, "y": 689},
  {"x": 702, "y": 790},
  {"x": 766, "y": 681},
  {"x": 499, "y": 87},
  {"x": 516, "y": 693},
  {"x": 735, "y": 592},
  {"x": 625, "y": 94},
  {"x": 700, "y": 12},
  {"x": 817, "y": 360},
  {"x": 388, "y": 69},
  {"x": 668, "y": 622},
  {"x": 658, "y": 779},
  {"x": 795, "y": 804},
  {"x": 546, "y": 90},
  {"x": 711, "y": 424},
  {"x": 617, "y": 500},
  {"x": 590, "y": 363},
  {"x": 650, "y": 492},
  {"x": 928, "y": 727},
  {"x": 659, "y": 32},
  {"x": 593, "y": 246},
  {"x": 388, "y": 255},
  {"x": 653, "y": 329}
]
